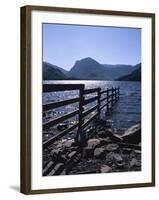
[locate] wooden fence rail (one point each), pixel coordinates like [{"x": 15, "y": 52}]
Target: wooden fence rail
[{"x": 106, "y": 98}]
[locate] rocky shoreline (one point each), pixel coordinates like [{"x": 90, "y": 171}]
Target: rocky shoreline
[{"x": 104, "y": 152}]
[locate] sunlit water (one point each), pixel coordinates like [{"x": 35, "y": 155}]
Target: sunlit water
[{"x": 127, "y": 111}]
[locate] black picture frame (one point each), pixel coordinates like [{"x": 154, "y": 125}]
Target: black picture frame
[{"x": 26, "y": 108}]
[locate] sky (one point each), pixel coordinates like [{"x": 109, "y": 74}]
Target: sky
[{"x": 63, "y": 44}]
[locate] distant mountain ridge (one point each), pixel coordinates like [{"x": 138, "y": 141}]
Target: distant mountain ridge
[
  {"x": 55, "y": 66},
  {"x": 87, "y": 69},
  {"x": 53, "y": 72},
  {"x": 134, "y": 76}
]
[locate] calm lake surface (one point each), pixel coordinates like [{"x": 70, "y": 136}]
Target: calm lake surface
[{"x": 126, "y": 113}]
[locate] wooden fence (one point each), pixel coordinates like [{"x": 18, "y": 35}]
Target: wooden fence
[{"x": 106, "y": 98}]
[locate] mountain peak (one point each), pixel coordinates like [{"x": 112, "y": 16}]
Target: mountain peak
[
  {"x": 88, "y": 60},
  {"x": 84, "y": 67}
]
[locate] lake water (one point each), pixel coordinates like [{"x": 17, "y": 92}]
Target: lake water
[{"x": 127, "y": 111}]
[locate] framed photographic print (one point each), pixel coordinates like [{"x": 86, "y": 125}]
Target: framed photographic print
[{"x": 87, "y": 99}]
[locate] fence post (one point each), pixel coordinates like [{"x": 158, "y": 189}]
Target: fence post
[
  {"x": 80, "y": 137},
  {"x": 99, "y": 103},
  {"x": 112, "y": 97},
  {"x": 115, "y": 95},
  {"x": 107, "y": 107},
  {"x": 118, "y": 92}
]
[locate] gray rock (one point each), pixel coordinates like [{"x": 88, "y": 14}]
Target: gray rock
[
  {"x": 134, "y": 163},
  {"x": 57, "y": 169},
  {"x": 48, "y": 168},
  {"x": 118, "y": 160},
  {"x": 132, "y": 135},
  {"x": 58, "y": 146},
  {"x": 72, "y": 154},
  {"x": 69, "y": 143},
  {"x": 77, "y": 157},
  {"x": 112, "y": 147},
  {"x": 109, "y": 157},
  {"x": 93, "y": 143},
  {"x": 58, "y": 155},
  {"x": 55, "y": 153},
  {"x": 99, "y": 153},
  {"x": 105, "y": 169},
  {"x": 117, "y": 157}
]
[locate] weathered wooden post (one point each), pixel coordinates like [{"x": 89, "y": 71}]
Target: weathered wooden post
[
  {"x": 107, "y": 106},
  {"x": 80, "y": 137},
  {"x": 115, "y": 95},
  {"x": 118, "y": 92},
  {"x": 99, "y": 103},
  {"x": 112, "y": 95}
]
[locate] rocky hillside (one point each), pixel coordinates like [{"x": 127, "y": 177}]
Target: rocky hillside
[
  {"x": 52, "y": 72},
  {"x": 134, "y": 76},
  {"x": 90, "y": 69}
]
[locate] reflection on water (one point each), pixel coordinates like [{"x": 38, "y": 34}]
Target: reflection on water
[{"x": 127, "y": 111}]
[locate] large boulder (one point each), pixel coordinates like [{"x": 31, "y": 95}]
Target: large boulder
[
  {"x": 93, "y": 143},
  {"x": 132, "y": 135},
  {"x": 89, "y": 149}
]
